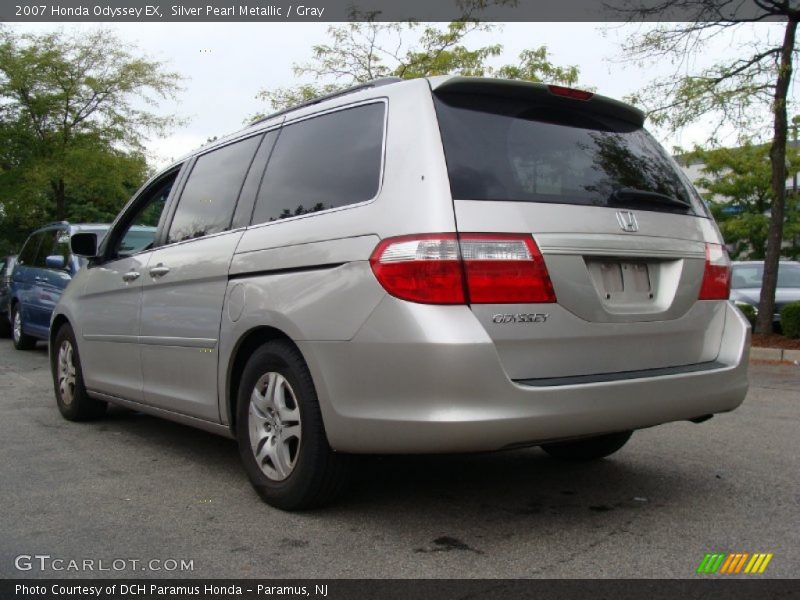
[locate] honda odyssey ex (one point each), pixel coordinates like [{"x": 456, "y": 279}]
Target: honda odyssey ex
[{"x": 438, "y": 265}]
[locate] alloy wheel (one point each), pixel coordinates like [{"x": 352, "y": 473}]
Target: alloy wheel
[
  {"x": 275, "y": 426},
  {"x": 66, "y": 372},
  {"x": 17, "y": 328}
]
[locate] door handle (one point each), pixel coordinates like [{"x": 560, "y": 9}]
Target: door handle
[
  {"x": 159, "y": 270},
  {"x": 131, "y": 276}
]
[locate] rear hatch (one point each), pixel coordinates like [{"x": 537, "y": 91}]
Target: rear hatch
[{"x": 622, "y": 233}]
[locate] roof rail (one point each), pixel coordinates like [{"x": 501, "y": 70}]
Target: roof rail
[
  {"x": 55, "y": 223},
  {"x": 356, "y": 88}
]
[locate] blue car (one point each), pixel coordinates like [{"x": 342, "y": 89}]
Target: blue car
[{"x": 44, "y": 267}]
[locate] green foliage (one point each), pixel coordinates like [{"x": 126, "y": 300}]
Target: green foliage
[
  {"x": 74, "y": 109},
  {"x": 738, "y": 183},
  {"x": 749, "y": 312},
  {"x": 366, "y": 50},
  {"x": 747, "y": 90},
  {"x": 736, "y": 91},
  {"x": 790, "y": 320}
]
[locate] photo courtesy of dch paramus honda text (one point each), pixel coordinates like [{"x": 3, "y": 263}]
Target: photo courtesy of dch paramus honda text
[{"x": 438, "y": 265}]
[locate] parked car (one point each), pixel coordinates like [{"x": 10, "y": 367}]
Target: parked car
[
  {"x": 449, "y": 264},
  {"x": 43, "y": 269},
  {"x": 746, "y": 284},
  {"x": 6, "y": 266}
]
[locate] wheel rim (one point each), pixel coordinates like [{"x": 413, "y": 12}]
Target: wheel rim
[
  {"x": 17, "y": 326},
  {"x": 66, "y": 372},
  {"x": 275, "y": 427}
]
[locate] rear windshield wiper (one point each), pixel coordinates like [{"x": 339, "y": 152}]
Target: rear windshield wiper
[{"x": 626, "y": 194}]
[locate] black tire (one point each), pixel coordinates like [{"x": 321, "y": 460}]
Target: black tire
[
  {"x": 72, "y": 400},
  {"x": 592, "y": 448},
  {"x": 316, "y": 475},
  {"x": 5, "y": 325},
  {"x": 22, "y": 341}
]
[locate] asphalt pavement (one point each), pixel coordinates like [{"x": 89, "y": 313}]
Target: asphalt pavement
[{"x": 135, "y": 488}]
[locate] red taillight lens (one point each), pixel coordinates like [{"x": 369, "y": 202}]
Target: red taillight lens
[
  {"x": 421, "y": 268},
  {"x": 717, "y": 275},
  {"x": 504, "y": 269},
  {"x": 499, "y": 269},
  {"x": 566, "y": 92}
]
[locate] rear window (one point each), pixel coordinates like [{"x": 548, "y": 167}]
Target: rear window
[{"x": 517, "y": 150}]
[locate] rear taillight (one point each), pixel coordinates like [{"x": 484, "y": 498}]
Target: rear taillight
[
  {"x": 717, "y": 274},
  {"x": 476, "y": 268},
  {"x": 424, "y": 268}
]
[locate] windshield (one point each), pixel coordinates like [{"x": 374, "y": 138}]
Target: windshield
[
  {"x": 750, "y": 276},
  {"x": 512, "y": 149}
]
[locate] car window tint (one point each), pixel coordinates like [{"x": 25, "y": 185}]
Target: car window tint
[
  {"x": 27, "y": 255},
  {"x": 209, "y": 197},
  {"x": 140, "y": 230},
  {"x": 324, "y": 162},
  {"x": 46, "y": 247},
  {"x": 510, "y": 149}
]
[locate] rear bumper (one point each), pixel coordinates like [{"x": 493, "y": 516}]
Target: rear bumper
[{"x": 419, "y": 379}]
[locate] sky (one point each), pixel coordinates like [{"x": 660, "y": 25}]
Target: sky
[{"x": 226, "y": 64}]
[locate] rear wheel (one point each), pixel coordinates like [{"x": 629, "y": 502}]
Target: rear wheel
[
  {"x": 73, "y": 401},
  {"x": 281, "y": 436},
  {"x": 592, "y": 448},
  {"x": 22, "y": 341}
]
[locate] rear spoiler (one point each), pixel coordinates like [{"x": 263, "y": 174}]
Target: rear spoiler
[{"x": 539, "y": 92}]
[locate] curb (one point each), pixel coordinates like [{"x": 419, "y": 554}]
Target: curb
[{"x": 775, "y": 354}]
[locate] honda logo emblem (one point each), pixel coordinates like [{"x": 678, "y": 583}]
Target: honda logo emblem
[{"x": 627, "y": 221}]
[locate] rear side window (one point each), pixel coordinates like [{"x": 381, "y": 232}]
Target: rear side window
[
  {"x": 27, "y": 255},
  {"x": 517, "y": 150},
  {"x": 322, "y": 163},
  {"x": 209, "y": 197}
]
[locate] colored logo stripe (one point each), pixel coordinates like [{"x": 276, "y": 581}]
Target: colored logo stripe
[{"x": 734, "y": 563}]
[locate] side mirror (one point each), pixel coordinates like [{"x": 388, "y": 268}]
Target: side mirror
[
  {"x": 56, "y": 261},
  {"x": 84, "y": 244}
]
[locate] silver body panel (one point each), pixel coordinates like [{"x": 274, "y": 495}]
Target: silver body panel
[
  {"x": 105, "y": 315},
  {"x": 395, "y": 376}
]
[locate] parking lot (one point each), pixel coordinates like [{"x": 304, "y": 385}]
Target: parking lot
[{"x": 136, "y": 487}]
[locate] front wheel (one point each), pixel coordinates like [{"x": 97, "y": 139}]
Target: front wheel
[
  {"x": 281, "y": 436},
  {"x": 73, "y": 401},
  {"x": 22, "y": 341},
  {"x": 591, "y": 448}
]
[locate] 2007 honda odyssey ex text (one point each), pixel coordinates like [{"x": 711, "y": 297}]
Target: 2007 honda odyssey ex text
[{"x": 449, "y": 264}]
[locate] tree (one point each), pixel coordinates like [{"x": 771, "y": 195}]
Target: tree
[
  {"x": 734, "y": 91},
  {"x": 366, "y": 50},
  {"x": 74, "y": 110},
  {"x": 738, "y": 182}
]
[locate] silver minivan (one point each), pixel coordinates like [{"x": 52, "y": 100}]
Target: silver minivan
[{"x": 450, "y": 264}]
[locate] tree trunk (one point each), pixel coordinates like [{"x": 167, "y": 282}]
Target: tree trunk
[
  {"x": 61, "y": 199},
  {"x": 777, "y": 157}
]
